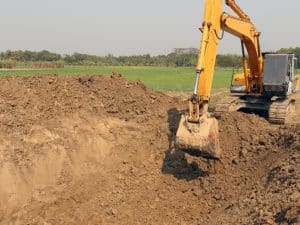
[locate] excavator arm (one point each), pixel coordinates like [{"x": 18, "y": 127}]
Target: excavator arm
[
  {"x": 198, "y": 130},
  {"x": 211, "y": 27}
]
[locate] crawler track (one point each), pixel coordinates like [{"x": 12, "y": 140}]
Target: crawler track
[
  {"x": 226, "y": 105},
  {"x": 278, "y": 111},
  {"x": 281, "y": 110}
]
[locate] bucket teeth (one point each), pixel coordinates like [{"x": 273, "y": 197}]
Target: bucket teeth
[{"x": 202, "y": 136}]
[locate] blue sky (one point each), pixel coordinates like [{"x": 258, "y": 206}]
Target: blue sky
[{"x": 126, "y": 27}]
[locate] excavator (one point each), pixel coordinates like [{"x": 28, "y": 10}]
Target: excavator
[{"x": 269, "y": 80}]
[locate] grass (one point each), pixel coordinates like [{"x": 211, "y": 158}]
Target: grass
[{"x": 159, "y": 78}]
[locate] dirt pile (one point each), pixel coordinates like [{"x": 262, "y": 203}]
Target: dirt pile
[
  {"x": 268, "y": 158},
  {"x": 59, "y": 132},
  {"x": 100, "y": 150}
]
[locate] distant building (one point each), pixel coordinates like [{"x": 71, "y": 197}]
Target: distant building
[{"x": 181, "y": 51}]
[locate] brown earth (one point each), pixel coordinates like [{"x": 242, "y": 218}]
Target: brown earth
[{"x": 99, "y": 150}]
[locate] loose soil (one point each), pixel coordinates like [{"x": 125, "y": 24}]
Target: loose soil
[{"x": 91, "y": 150}]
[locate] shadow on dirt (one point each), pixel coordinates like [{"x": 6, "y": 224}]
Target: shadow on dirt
[{"x": 175, "y": 161}]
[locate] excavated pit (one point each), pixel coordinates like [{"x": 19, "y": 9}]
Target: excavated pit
[{"x": 100, "y": 150}]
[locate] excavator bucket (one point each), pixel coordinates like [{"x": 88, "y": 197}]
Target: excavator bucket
[{"x": 202, "y": 136}]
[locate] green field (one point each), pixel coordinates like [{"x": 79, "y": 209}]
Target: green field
[{"x": 159, "y": 78}]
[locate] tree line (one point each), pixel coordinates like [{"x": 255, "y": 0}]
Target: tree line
[
  {"x": 177, "y": 58},
  {"x": 174, "y": 59}
]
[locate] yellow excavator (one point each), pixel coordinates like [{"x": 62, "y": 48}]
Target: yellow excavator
[{"x": 269, "y": 80}]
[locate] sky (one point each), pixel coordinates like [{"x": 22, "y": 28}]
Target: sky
[{"x": 131, "y": 27}]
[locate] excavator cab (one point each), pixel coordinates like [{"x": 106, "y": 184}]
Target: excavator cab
[
  {"x": 279, "y": 76},
  {"x": 238, "y": 83}
]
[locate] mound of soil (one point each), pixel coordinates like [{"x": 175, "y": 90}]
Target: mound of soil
[{"x": 100, "y": 150}]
